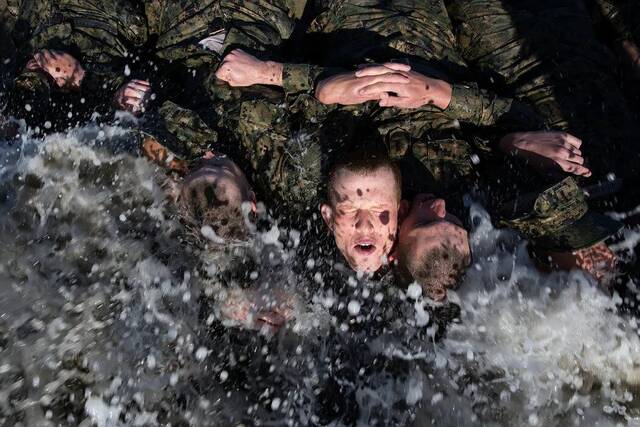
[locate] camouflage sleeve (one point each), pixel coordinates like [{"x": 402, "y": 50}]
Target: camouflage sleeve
[
  {"x": 194, "y": 137},
  {"x": 259, "y": 25},
  {"x": 476, "y": 106},
  {"x": 613, "y": 16},
  {"x": 300, "y": 78},
  {"x": 558, "y": 218}
]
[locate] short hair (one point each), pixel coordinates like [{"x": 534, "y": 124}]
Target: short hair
[
  {"x": 364, "y": 162},
  {"x": 226, "y": 220},
  {"x": 437, "y": 269}
]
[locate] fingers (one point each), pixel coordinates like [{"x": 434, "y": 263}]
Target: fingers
[
  {"x": 398, "y": 66},
  {"x": 141, "y": 82},
  {"x": 132, "y": 101},
  {"x": 571, "y": 140},
  {"x": 39, "y": 58},
  {"x": 384, "y": 86},
  {"x": 376, "y": 70},
  {"x": 222, "y": 75},
  {"x": 139, "y": 85},
  {"x": 131, "y": 92},
  {"x": 48, "y": 57},
  {"x": 573, "y": 168},
  {"x": 551, "y": 150},
  {"x": 374, "y": 96},
  {"x": 33, "y": 65}
]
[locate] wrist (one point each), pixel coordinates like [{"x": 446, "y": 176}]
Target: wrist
[
  {"x": 446, "y": 93},
  {"x": 272, "y": 73},
  {"x": 320, "y": 91}
]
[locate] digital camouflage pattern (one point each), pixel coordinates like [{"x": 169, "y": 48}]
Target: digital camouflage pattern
[
  {"x": 620, "y": 18},
  {"x": 418, "y": 32},
  {"x": 119, "y": 40},
  {"x": 356, "y": 32},
  {"x": 546, "y": 52},
  {"x": 558, "y": 218}
]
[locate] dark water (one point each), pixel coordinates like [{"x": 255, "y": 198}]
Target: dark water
[{"x": 111, "y": 313}]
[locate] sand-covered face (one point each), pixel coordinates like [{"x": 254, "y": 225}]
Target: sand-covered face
[
  {"x": 219, "y": 181},
  {"x": 213, "y": 194},
  {"x": 429, "y": 226},
  {"x": 362, "y": 214}
]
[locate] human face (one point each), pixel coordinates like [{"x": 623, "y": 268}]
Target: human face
[
  {"x": 363, "y": 216},
  {"x": 429, "y": 225},
  {"x": 218, "y": 181}
]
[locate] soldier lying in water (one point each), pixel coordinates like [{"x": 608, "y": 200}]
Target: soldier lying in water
[
  {"x": 372, "y": 226},
  {"x": 214, "y": 199},
  {"x": 68, "y": 74},
  {"x": 170, "y": 44}
]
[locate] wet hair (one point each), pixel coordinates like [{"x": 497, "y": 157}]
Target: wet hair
[
  {"x": 225, "y": 219},
  {"x": 436, "y": 270},
  {"x": 364, "y": 161}
]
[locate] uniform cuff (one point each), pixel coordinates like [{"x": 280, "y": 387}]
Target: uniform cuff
[
  {"x": 298, "y": 78},
  {"x": 466, "y": 103}
]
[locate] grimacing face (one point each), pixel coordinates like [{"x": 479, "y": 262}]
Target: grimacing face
[
  {"x": 429, "y": 225},
  {"x": 362, "y": 214}
]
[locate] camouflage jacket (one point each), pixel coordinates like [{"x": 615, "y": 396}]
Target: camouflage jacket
[
  {"x": 546, "y": 52},
  {"x": 619, "y": 18},
  {"x": 119, "y": 40},
  {"x": 415, "y": 31}
]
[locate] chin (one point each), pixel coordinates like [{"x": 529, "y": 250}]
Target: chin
[{"x": 366, "y": 266}]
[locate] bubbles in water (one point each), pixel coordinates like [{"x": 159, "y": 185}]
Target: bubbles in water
[
  {"x": 113, "y": 313},
  {"x": 354, "y": 308}
]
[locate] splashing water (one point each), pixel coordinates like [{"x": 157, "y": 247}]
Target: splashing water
[{"x": 111, "y": 315}]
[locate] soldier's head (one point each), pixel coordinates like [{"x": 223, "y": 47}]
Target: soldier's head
[
  {"x": 213, "y": 193},
  {"x": 362, "y": 207},
  {"x": 433, "y": 247}
]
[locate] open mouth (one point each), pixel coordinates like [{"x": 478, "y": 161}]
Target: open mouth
[{"x": 365, "y": 248}]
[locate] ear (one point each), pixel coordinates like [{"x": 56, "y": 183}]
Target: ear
[
  {"x": 403, "y": 210},
  {"x": 252, "y": 197},
  {"x": 327, "y": 215},
  {"x": 439, "y": 207}
]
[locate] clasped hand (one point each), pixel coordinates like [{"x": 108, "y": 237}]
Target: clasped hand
[{"x": 391, "y": 84}]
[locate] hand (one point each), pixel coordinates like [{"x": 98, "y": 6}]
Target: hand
[
  {"x": 547, "y": 150},
  {"x": 419, "y": 89},
  {"x": 597, "y": 260},
  {"x": 241, "y": 69},
  {"x": 132, "y": 96},
  {"x": 162, "y": 156},
  {"x": 65, "y": 70},
  {"x": 345, "y": 88}
]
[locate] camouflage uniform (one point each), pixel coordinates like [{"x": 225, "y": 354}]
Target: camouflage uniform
[
  {"x": 356, "y": 32},
  {"x": 619, "y": 18},
  {"x": 275, "y": 131},
  {"x": 415, "y": 31},
  {"x": 545, "y": 52},
  {"x": 118, "y": 40}
]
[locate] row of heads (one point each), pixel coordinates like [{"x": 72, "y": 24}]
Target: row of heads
[{"x": 363, "y": 208}]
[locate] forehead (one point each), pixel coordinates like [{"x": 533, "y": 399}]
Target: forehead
[
  {"x": 438, "y": 233},
  {"x": 379, "y": 181}
]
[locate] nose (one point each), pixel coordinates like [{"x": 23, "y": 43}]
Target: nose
[{"x": 364, "y": 221}]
